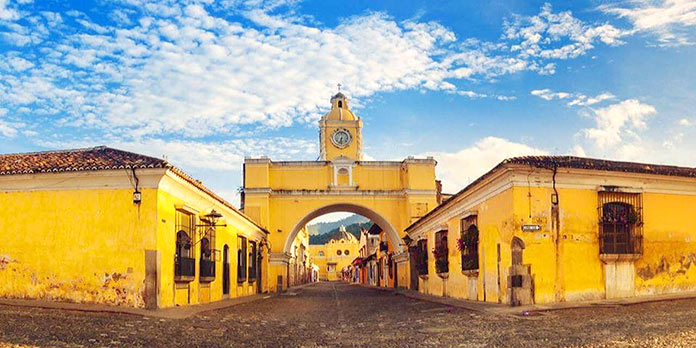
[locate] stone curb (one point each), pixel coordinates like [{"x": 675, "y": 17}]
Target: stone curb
[{"x": 182, "y": 312}]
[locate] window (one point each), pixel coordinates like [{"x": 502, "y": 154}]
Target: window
[
  {"x": 347, "y": 252},
  {"x": 441, "y": 252},
  {"x": 422, "y": 257},
  {"x": 252, "y": 260},
  {"x": 338, "y": 252},
  {"x": 184, "y": 264},
  {"x": 207, "y": 264},
  {"x": 620, "y": 224},
  {"x": 241, "y": 259},
  {"x": 468, "y": 243},
  {"x": 340, "y": 104}
]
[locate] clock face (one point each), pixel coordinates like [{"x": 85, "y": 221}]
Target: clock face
[{"x": 341, "y": 138}]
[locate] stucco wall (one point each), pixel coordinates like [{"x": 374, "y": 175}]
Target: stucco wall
[{"x": 79, "y": 245}]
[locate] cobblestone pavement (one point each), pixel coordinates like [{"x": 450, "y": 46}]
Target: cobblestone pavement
[{"x": 341, "y": 315}]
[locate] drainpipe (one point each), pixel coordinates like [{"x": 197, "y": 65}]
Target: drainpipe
[{"x": 556, "y": 227}]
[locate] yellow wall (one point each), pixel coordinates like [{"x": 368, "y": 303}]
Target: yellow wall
[
  {"x": 78, "y": 245},
  {"x": 495, "y": 227},
  {"x": 566, "y": 264},
  {"x": 79, "y": 237},
  {"x": 173, "y": 195}
]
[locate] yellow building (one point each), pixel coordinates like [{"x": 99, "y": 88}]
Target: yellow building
[
  {"x": 101, "y": 225},
  {"x": 284, "y": 196},
  {"x": 300, "y": 263},
  {"x": 552, "y": 229},
  {"x": 335, "y": 255}
]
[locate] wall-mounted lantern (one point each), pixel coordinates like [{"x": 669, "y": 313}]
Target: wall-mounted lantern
[{"x": 137, "y": 197}]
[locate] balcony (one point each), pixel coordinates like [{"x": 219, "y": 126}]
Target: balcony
[
  {"x": 184, "y": 268},
  {"x": 207, "y": 270}
]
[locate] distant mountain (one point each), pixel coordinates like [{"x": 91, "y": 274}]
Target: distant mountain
[
  {"x": 353, "y": 229},
  {"x": 325, "y": 227}
]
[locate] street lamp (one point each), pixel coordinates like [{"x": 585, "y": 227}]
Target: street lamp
[{"x": 209, "y": 222}]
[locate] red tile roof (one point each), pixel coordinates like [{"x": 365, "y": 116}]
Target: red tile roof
[
  {"x": 572, "y": 162},
  {"x": 93, "y": 159},
  {"x": 96, "y": 158}
]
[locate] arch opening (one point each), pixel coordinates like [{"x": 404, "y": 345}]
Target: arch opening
[{"x": 375, "y": 217}]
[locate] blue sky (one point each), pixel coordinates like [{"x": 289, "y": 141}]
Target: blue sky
[{"x": 468, "y": 82}]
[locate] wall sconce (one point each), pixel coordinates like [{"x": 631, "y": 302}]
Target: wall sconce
[{"x": 554, "y": 199}]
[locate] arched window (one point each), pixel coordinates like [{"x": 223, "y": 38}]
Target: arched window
[
  {"x": 207, "y": 264},
  {"x": 183, "y": 244},
  {"x": 617, "y": 225},
  {"x": 205, "y": 249},
  {"x": 340, "y": 104}
]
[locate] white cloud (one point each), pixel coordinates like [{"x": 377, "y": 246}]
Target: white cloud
[
  {"x": 550, "y": 35},
  {"x": 578, "y": 151},
  {"x": 578, "y": 98},
  {"x": 7, "y": 13},
  {"x": 458, "y": 169},
  {"x": 476, "y": 95},
  {"x": 547, "y": 94},
  {"x": 672, "y": 21},
  {"x": 686, "y": 122},
  {"x": 7, "y": 129},
  {"x": 583, "y": 100},
  {"x": 617, "y": 121},
  {"x": 472, "y": 94},
  {"x": 168, "y": 68},
  {"x": 214, "y": 155}
]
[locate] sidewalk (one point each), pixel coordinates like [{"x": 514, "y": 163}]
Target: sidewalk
[
  {"x": 503, "y": 309},
  {"x": 181, "y": 312}
]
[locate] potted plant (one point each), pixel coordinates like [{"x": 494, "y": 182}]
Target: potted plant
[{"x": 441, "y": 259}]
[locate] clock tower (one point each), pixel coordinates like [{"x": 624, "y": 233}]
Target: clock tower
[{"x": 340, "y": 132}]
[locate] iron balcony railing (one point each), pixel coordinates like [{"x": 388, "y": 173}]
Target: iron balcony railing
[
  {"x": 184, "y": 266},
  {"x": 207, "y": 269}
]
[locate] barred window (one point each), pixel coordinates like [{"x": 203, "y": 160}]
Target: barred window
[
  {"x": 468, "y": 243},
  {"x": 441, "y": 252},
  {"x": 252, "y": 260},
  {"x": 241, "y": 259},
  {"x": 620, "y": 223},
  {"x": 422, "y": 257},
  {"x": 184, "y": 263}
]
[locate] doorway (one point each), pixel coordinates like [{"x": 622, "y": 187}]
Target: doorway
[
  {"x": 226, "y": 270},
  {"x": 414, "y": 270}
]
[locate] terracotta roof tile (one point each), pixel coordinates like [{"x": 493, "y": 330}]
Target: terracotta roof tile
[{"x": 90, "y": 159}]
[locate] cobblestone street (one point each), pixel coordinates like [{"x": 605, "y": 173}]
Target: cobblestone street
[{"x": 341, "y": 315}]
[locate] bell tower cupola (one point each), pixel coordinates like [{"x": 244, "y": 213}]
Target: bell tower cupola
[{"x": 340, "y": 132}]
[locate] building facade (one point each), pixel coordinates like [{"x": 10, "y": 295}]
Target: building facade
[
  {"x": 300, "y": 265},
  {"x": 284, "y": 196},
  {"x": 333, "y": 257},
  {"x": 556, "y": 228},
  {"x": 106, "y": 226}
]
